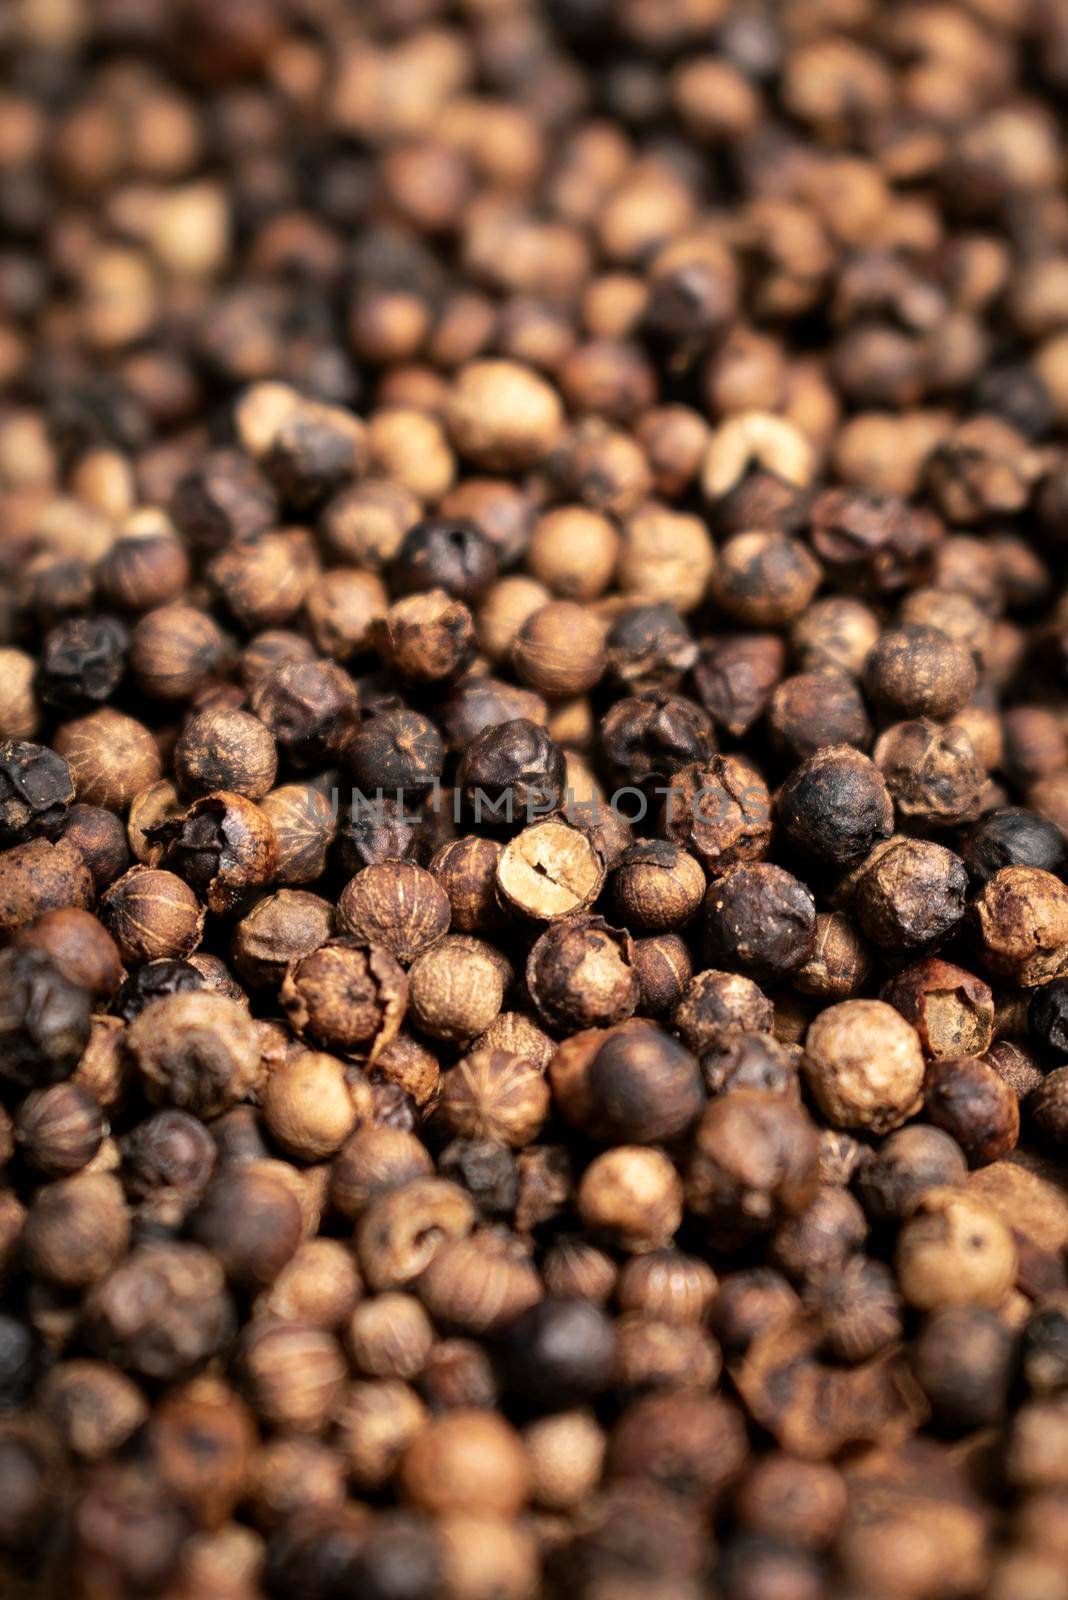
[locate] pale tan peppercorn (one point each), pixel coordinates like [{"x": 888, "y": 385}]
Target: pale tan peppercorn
[{"x": 864, "y": 1065}]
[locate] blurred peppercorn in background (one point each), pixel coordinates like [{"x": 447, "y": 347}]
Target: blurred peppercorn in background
[{"x": 533, "y": 799}]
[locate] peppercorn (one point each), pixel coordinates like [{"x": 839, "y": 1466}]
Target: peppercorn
[
  {"x": 759, "y": 918},
  {"x": 917, "y": 671},
  {"x": 94, "y": 1408},
  {"x": 1021, "y": 916},
  {"x": 631, "y": 1197},
  {"x": 347, "y": 996},
  {"x": 310, "y": 708},
  {"x": 111, "y": 757},
  {"x": 312, "y": 1103},
  {"x": 954, "y": 1251},
  {"x": 510, "y": 772},
  {"x": 835, "y": 806},
  {"x": 963, "y": 1359},
  {"x": 225, "y": 750},
  {"x": 398, "y": 751},
  {"x": 952, "y": 1010},
  {"x": 910, "y": 893},
  {"x": 492, "y": 1094},
  {"x": 224, "y": 498},
  {"x": 279, "y": 929},
  {"x": 765, "y": 579},
  {"x": 222, "y": 846},
  {"x": 560, "y": 650},
  {"x": 76, "y": 1230},
  {"x": 1012, "y": 837},
  {"x": 643, "y": 1087},
  {"x": 425, "y": 638},
  {"x": 174, "y": 649},
  {"x": 664, "y": 967},
  {"x": 549, "y": 870},
  {"x": 101, "y": 838},
  {"x": 59, "y": 1129},
  {"x": 82, "y": 663},
  {"x": 969, "y": 1100},
  {"x": 396, "y": 904},
  {"x": 294, "y": 1374},
  {"x": 44, "y": 1019},
  {"x": 502, "y": 416},
  {"x": 304, "y": 823},
  {"x": 250, "y": 1222},
  {"x": 146, "y": 566},
  {"x": 580, "y": 974},
  {"x": 19, "y": 712},
  {"x": 455, "y": 990},
  {"x": 36, "y": 790},
  {"x": 152, "y": 914},
  {"x": 721, "y": 811},
  {"x": 371, "y": 1162},
  {"x": 753, "y": 1163},
  {"x": 196, "y": 1050},
  {"x": 401, "y": 1229},
  {"x": 466, "y": 869},
  {"x": 714, "y": 1001}
]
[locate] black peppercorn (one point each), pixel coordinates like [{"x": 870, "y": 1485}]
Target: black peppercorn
[
  {"x": 152, "y": 981},
  {"x": 1012, "y": 837},
  {"x": 100, "y": 836},
  {"x": 18, "y": 1364},
  {"x": 44, "y": 1019},
  {"x": 310, "y": 708},
  {"x": 511, "y": 773},
  {"x": 398, "y": 752},
  {"x": 36, "y": 791},
  {"x": 835, "y": 806},
  {"x": 1047, "y": 1016},
  {"x": 644, "y": 1088},
  {"x": 82, "y": 663},
  {"x": 649, "y": 647},
  {"x": 760, "y": 919},
  {"x": 558, "y": 1354},
  {"x": 910, "y": 893},
  {"x": 648, "y": 739},
  {"x": 447, "y": 553}
]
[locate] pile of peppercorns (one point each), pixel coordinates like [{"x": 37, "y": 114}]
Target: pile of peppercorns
[{"x": 533, "y": 800}]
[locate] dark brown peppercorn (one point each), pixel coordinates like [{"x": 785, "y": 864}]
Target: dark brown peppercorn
[
  {"x": 251, "y": 1224},
  {"x": 101, "y": 838},
  {"x": 400, "y": 752},
  {"x": 59, "y": 1129},
  {"x": 225, "y": 497},
  {"x": 162, "y": 1312},
  {"x": 931, "y": 772},
  {"x": 36, "y": 791},
  {"x": 840, "y": 962},
  {"x": 910, "y": 894},
  {"x": 908, "y": 1163},
  {"x": 968, "y": 1100},
  {"x": 649, "y": 648},
  {"x": 835, "y": 806},
  {"x": 425, "y": 638},
  {"x": 1022, "y": 921},
  {"x": 44, "y": 1019},
  {"x": 812, "y": 710},
  {"x": 963, "y": 1359},
  {"x": 742, "y": 1060},
  {"x": 444, "y": 553},
  {"x": 916, "y": 671},
  {"x": 346, "y": 996},
  {"x": 38, "y": 877},
  {"x": 79, "y": 944},
  {"x": 717, "y": 1001},
  {"x": 759, "y": 918},
  {"x": 466, "y": 869},
  {"x": 225, "y": 750},
  {"x": 735, "y": 675},
  {"x": 310, "y": 708},
  {"x": 720, "y": 811},
  {"x": 510, "y": 773},
  {"x": 580, "y": 975},
  {"x": 644, "y": 1088},
  {"x": 754, "y": 1163},
  {"x": 664, "y": 966},
  {"x": 304, "y": 823},
  {"x": 279, "y": 929},
  {"x": 223, "y": 847},
  {"x": 82, "y": 663},
  {"x": 648, "y": 739}
]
